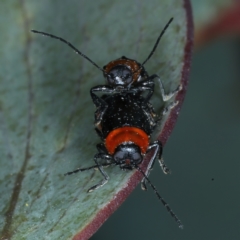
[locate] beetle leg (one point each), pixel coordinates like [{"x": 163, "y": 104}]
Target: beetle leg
[
  {"x": 168, "y": 108},
  {"x": 100, "y": 168},
  {"x": 158, "y": 151},
  {"x": 101, "y": 106},
  {"x": 165, "y": 96}
]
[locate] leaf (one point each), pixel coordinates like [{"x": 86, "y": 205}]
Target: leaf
[{"x": 46, "y": 113}]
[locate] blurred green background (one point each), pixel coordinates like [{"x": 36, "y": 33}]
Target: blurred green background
[{"x": 202, "y": 153}]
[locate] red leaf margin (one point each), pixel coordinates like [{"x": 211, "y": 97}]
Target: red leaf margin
[{"x": 121, "y": 196}]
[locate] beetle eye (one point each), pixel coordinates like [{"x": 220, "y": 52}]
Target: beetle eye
[
  {"x": 119, "y": 156},
  {"x": 136, "y": 156},
  {"x": 128, "y": 78},
  {"x": 111, "y": 78}
]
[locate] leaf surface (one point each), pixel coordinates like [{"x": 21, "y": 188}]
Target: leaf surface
[{"x": 46, "y": 112}]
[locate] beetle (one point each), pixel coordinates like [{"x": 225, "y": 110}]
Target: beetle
[
  {"x": 125, "y": 119},
  {"x": 124, "y": 75},
  {"x": 125, "y": 134}
]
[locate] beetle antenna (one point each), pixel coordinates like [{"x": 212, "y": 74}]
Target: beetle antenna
[
  {"x": 88, "y": 168},
  {"x": 156, "y": 44},
  {"x": 180, "y": 225},
  {"x": 70, "y": 45}
]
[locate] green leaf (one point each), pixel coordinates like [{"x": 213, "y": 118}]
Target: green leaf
[{"x": 46, "y": 112}]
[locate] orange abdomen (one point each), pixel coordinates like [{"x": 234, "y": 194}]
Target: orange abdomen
[{"x": 126, "y": 134}]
